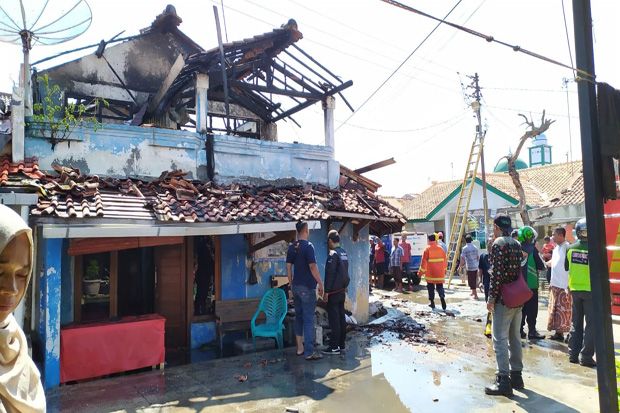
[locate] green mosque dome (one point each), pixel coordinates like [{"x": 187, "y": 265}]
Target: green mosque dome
[{"x": 502, "y": 165}]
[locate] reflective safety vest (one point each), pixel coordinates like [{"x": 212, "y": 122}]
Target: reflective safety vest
[
  {"x": 578, "y": 269},
  {"x": 434, "y": 263}
]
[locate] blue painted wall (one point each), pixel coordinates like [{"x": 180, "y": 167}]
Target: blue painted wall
[
  {"x": 48, "y": 328},
  {"x": 240, "y": 159},
  {"x": 202, "y": 333},
  {"x": 236, "y": 266},
  {"x": 358, "y": 252},
  {"x": 66, "y": 290},
  {"x": 123, "y": 150}
]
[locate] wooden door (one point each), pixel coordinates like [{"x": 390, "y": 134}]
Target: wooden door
[{"x": 170, "y": 294}]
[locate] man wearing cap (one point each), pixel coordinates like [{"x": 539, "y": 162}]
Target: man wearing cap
[
  {"x": 581, "y": 342},
  {"x": 440, "y": 242},
  {"x": 303, "y": 276},
  {"x": 505, "y": 257},
  {"x": 336, "y": 283}
]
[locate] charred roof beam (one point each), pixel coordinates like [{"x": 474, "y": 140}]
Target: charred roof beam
[
  {"x": 308, "y": 103},
  {"x": 277, "y": 91}
]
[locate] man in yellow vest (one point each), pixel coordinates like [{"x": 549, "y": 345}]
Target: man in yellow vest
[
  {"x": 433, "y": 268},
  {"x": 581, "y": 342}
]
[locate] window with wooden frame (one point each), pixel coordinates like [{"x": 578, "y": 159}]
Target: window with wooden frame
[
  {"x": 95, "y": 284},
  {"x": 115, "y": 277}
]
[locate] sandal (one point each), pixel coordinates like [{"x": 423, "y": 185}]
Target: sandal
[
  {"x": 314, "y": 356},
  {"x": 299, "y": 354}
]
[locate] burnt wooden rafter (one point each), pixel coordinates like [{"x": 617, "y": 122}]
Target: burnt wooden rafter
[
  {"x": 345, "y": 222},
  {"x": 288, "y": 236},
  {"x": 310, "y": 103},
  {"x": 275, "y": 90},
  {"x": 357, "y": 228},
  {"x": 262, "y": 74}
]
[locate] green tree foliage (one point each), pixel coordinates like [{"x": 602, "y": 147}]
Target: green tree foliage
[{"x": 55, "y": 121}]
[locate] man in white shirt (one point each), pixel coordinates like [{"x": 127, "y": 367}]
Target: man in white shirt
[{"x": 560, "y": 301}]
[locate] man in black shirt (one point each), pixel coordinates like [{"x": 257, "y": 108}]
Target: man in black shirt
[{"x": 336, "y": 282}]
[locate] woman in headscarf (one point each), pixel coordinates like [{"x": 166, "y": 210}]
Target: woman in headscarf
[{"x": 20, "y": 382}]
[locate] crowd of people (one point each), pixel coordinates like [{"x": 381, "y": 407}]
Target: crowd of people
[
  {"x": 508, "y": 273},
  {"x": 514, "y": 263}
]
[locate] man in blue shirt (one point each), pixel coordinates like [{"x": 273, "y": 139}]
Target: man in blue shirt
[
  {"x": 470, "y": 260},
  {"x": 303, "y": 276},
  {"x": 396, "y": 265}
]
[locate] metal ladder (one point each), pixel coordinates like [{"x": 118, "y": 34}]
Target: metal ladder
[{"x": 462, "y": 206}]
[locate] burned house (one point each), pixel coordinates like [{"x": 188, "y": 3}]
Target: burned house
[{"x": 181, "y": 197}]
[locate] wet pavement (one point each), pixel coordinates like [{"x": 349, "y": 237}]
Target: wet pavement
[{"x": 379, "y": 372}]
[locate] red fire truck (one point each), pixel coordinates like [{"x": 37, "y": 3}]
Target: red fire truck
[{"x": 612, "y": 231}]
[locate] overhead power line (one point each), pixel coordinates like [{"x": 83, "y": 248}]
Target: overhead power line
[
  {"x": 399, "y": 66},
  {"x": 490, "y": 39},
  {"x": 570, "y": 53},
  {"x": 423, "y": 128}
]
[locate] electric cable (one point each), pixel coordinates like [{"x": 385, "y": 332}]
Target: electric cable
[
  {"x": 490, "y": 39},
  {"x": 342, "y": 39},
  {"x": 399, "y": 67},
  {"x": 570, "y": 53},
  {"x": 423, "y": 128}
]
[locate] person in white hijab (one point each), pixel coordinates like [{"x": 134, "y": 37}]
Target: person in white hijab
[{"x": 20, "y": 381}]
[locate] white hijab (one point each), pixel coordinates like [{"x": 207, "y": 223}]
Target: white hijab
[{"x": 20, "y": 382}]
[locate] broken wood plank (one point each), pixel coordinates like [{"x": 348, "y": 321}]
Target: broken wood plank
[
  {"x": 170, "y": 78},
  {"x": 280, "y": 236}
]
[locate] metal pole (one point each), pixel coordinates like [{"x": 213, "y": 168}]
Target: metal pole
[
  {"x": 480, "y": 134},
  {"x": 591, "y": 156},
  {"x": 223, "y": 64}
]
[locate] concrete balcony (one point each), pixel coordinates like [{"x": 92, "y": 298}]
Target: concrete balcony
[
  {"x": 260, "y": 162},
  {"x": 123, "y": 150}
]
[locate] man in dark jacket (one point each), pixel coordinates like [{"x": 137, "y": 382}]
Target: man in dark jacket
[
  {"x": 530, "y": 266},
  {"x": 336, "y": 282}
]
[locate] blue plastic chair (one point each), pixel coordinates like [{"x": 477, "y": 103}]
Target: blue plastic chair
[{"x": 274, "y": 305}]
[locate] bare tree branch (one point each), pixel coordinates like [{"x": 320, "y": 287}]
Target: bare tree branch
[{"x": 532, "y": 132}]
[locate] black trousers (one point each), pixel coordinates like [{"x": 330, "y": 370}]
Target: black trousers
[
  {"x": 530, "y": 313},
  {"x": 337, "y": 322},
  {"x": 431, "y": 291}
]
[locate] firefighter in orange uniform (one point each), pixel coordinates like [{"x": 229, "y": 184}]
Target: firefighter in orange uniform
[{"x": 433, "y": 268}]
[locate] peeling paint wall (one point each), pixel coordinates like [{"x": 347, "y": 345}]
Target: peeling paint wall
[
  {"x": 257, "y": 162},
  {"x": 359, "y": 257},
  {"x": 67, "y": 281},
  {"x": 49, "y": 270},
  {"x": 123, "y": 150},
  {"x": 236, "y": 266}
]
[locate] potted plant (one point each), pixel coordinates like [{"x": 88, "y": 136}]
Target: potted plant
[{"x": 91, "y": 281}]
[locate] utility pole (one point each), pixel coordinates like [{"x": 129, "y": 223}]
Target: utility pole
[
  {"x": 593, "y": 185},
  {"x": 475, "y": 104},
  {"x": 570, "y": 130}
]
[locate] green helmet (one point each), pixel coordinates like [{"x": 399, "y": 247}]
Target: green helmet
[
  {"x": 526, "y": 234},
  {"x": 581, "y": 229}
]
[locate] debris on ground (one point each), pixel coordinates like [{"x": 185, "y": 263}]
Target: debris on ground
[
  {"x": 405, "y": 328},
  {"x": 241, "y": 378},
  {"x": 376, "y": 309}
]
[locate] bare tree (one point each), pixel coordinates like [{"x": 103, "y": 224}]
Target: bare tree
[{"x": 531, "y": 133}]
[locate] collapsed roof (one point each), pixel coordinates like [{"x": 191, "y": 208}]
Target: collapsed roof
[
  {"x": 268, "y": 75},
  {"x": 173, "y": 198}
]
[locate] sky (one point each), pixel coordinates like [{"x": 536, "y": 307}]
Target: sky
[{"x": 421, "y": 116}]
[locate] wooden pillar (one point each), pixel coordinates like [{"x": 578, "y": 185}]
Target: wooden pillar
[{"x": 202, "y": 87}]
